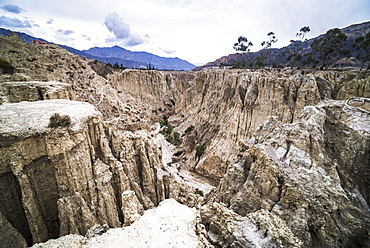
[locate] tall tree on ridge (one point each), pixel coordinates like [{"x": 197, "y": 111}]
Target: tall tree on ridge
[
  {"x": 302, "y": 32},
  {"x": 266, "y": 46},
  {"x": 242, "y": 45}
]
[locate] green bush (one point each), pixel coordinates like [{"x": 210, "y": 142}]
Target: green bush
[
  {"x": 167, "y": 137},
  {"x": 167, "y": 132},
  {"x": 199, "y": 150},
  {"x": 164, "y": 121},
  {"x": 6, "y": 67},
  {"x": 56, "y": 120},
  {"x": 199, "y": 192}
]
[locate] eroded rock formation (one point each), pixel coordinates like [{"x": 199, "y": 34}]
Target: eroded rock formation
[
  {"x": 287, "y": 150},
  {"x": 307, "y": 174},
  {"x": 224, "y": 107},
  {"x": 65, "y": 180},
  {"x": 12, "y": 92}
]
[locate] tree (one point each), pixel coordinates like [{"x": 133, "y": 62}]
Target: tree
[
  {"x": 272, "y": 39},
  {"x": 243, "y": 44},
  {"x": 329, "y": 46},
  {"x": 116, "y": 66},
  {"x": 363, "y": 44},
  {"x": 302, "y": 32},
  {"x": 266, "y": 45}
]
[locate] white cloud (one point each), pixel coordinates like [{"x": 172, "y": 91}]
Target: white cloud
[
  {"x": 121, "y": 30},
  {"x": 117, "y": 26},
  {"x": 65, "y": 32},
  {"x": 168, "y": 50},
  {"x": 12, "y": 8},
  {"x": 13, "y": 22}
]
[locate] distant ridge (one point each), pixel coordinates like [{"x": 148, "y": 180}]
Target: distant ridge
[
  {"x": 25, "y": 37},
  {"x": 118, "y": 55},
  {"x": 117, "y": 52},
  {"x": 280, "y": 56}
]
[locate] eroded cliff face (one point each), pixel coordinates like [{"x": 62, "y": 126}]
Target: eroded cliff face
[
  {"x": 53, "y": 169},
  {"x": 311, "y": 174},
  {"x": 224, "y": 107},
  {"x": 58, "y": 181},
  {"x": 284, "y": 151}
]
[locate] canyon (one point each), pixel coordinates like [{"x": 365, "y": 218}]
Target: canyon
[{"x": 217, "y": 158}]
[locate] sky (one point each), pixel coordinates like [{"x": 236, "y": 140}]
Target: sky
[{"x": 198, "y": 31}]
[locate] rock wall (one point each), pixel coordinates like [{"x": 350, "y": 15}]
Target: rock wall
[
  {"x": 159, "y": 91},
  {"x": 307, "y": 175},
  {"x": 223, "y": 107},
  {"x": 65, "y": 180}
]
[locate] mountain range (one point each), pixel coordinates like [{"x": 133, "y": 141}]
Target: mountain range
[
  {"x": 137, "y": 59},
  {"x": 119, "y": 55}
]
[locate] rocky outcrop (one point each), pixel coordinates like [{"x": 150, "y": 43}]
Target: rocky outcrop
[
  {"x": 12, "y": 92},
  {"x": 57, "y": 172},
  {"x": 223, "y": 107},
  {"x": 258, "y": 229},
  {"x": 306, "y": 174},
  {"x": 65, "y": 180},
  {"x": 169, "y": 225}
]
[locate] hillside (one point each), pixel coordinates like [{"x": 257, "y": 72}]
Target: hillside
[
  {"x": 281, "y": 57},
  {"x": 118, "y": 55}
]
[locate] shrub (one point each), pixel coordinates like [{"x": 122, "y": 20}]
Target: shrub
[
  {"x": 176, "y": 138},
  {"x": 189, "y": 129},
  {"x": 199, "y": 150},
  {"x": 171, "y": 137},
  {"x": 199, "y": 192},
  {"x": 6, "y": 67},
  {"x": 167, "y": 137},
  {"x": 164, "y": 121},
  {"x": 56, "y": 120}
]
